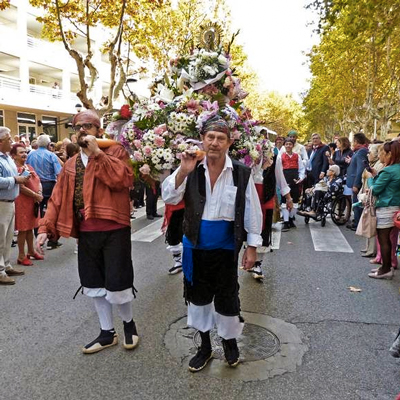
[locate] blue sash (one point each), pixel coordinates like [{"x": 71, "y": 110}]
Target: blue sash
[{"x": 213, "y": 235}]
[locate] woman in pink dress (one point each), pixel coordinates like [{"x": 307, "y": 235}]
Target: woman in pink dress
[{"x": 25, "y": 218}]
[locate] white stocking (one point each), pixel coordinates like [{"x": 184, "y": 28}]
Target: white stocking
[
  {"x": 285, "y": 213},
  {"x": 125, "y": 311},
  {"x": 104, "y": 311}
]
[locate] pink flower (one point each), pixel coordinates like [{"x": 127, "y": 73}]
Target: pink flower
[
  {"x": 193, "y": 106},
  {"x": 210, "y": 90},
  {"x": 137, "y": 155},
  {"x": 137, "y": 144},
  {"x": 159, "y": 141},
  {"x": 160, "y": 129},
  {"x": 147, "y": 150},
  {"x": 145, "y": 169},
  {"x": 258, "y": 147},
  {"x": 236, "y": 134}
]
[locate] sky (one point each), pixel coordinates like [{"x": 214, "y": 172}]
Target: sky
[{"x": 274, "y": 34}]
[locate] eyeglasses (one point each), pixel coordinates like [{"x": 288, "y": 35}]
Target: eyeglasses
[{"x": 85, "y": 127}]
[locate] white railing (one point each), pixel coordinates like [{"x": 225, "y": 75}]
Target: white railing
[
  {"x": 36, "y": 96},
  {"x": 43, "y": 47}
]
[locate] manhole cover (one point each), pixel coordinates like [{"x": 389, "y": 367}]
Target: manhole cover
[
  {"x": 268, "y": 347},
  {"x": 255, "y": 343}
]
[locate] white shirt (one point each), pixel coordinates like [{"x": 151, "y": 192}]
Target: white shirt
[
  {"x": 220, "y": 202},
  {"x": 280, "y": 178},
  {"x": 300, "y": 150}
]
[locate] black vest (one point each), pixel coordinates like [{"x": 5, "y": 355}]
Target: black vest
[
  {"x": 195, "y": 198},
  {"x": 269, "y": 181}
]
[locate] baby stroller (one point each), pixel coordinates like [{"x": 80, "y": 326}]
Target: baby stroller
[{"x": 324, "y": 199}]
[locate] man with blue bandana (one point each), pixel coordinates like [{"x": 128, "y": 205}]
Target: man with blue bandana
[{"x": 221, "y": 211}]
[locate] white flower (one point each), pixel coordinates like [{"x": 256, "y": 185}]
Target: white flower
[{"x": 222, "y": 59}]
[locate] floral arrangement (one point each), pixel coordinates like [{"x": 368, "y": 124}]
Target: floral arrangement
[{"x": 199, "y": 86}]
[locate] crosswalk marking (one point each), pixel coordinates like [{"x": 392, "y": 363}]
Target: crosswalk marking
[
  {"x": 149, "y": 233},
  {"x": 328, "y": 238}
]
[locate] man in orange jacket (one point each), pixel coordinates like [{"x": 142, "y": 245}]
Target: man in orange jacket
[{"x": 91, "y": 202}]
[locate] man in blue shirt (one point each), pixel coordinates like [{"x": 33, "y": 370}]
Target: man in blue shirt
[
  {"x": 9, "y": 190},
  {"x": 47, "y": 166}
]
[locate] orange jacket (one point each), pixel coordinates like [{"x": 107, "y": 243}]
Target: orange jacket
[{"x": 106, "y": 184}]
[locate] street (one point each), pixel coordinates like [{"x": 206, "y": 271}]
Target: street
[{"x": 345, "y": 335}]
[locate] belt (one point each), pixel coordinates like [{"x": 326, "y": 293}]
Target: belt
[{"x": 7, "y": 201}]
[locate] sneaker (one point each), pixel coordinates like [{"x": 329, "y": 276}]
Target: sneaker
[
  {"x": 131, "y": 338},
  {"x": 6, "y": 280},
  {"x": 14, "y": 271},
  {"x": 13, "y": 243},
  {"x": 231, "y": 352},
  {"x": 104, "y": 340},
  {"x": 175, "y": 269},
  {"x": 200, "y": 360},
  {"x": 291, "y": 223},
  {"x": 53, "y": 245},
  {"x": 395, "y": 347},
  {"x": 285, "y": 227}
]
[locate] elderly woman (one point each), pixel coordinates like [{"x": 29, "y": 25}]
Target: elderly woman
[
  {"x": 367, "y": 178},
  {"x": 25, "y": 216},
  {"x": 386, "y": 188}
]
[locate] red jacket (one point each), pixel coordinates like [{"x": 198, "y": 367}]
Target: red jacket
[{"x": 106, "y": 184}]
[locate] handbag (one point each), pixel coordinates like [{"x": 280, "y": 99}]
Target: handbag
[
  {"x": 396, "y": 219},
  {"x": 367, "y": 224},
  {"x": 36, "y": 206}
]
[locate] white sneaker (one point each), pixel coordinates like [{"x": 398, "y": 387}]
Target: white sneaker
[{"x": 175, "y": 269}]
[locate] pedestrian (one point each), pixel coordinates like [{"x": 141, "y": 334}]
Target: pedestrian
[
  {"x": 386, "y": 189},
  {"x": 357, "y": 163},
  {"x": 91, "y": 202},
  {"x": 221, "y": 205},
  {"x": 278, "y": 144},
  {"x": 341, "y": 156},
  {"x": 294, "y": 172},
  {"x": 26, "y": 207},
  {"x": 46, "y": 165},
  {"x": 318, "y": 163},
  {"x": 9, "y": 190}
]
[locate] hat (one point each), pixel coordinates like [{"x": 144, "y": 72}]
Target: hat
[
  {"x": 293, "y": 133},
  {"x": 216, "y": 124},
  {"x": 335, "y": 169}
]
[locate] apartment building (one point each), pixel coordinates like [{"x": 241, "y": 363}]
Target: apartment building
[{"x": 38, "y": 78}]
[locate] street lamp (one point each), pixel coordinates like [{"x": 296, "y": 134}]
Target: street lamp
[{"x": 78, "y": 107}]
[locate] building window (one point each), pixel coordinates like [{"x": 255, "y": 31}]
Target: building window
[
  {"x": 49, "y": 125},
  {"x": 1, "y": 118},
  {"x": 26, "y": 125}
]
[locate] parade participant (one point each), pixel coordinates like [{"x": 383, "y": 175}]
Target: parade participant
[
  {"x": 269, "y": 178},
  {"x": 221, "y": 205},
  {"x": 26, "y": 207},
  {"x": 293, "y": 170},
  {"x": 9, "y": 190},
  {"x": 297, "y": 147},
  {"x": 91, "y": 202},
  {"x": 278, "y": 144}
]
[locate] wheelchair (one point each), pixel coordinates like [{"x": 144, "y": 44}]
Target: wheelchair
[{"x": 333, "y": 204}]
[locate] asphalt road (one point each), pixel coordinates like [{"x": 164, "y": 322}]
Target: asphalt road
[{"x": 348, "y": 334}]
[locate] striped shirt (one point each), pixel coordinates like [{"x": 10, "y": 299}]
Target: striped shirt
[
  {"x": 45, "y": 163},
  {"x": 9, "y": 189}
]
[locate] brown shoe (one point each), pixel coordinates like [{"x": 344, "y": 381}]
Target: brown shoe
[
  {"x": 14, "y": 271},
  {"x": 6, "y": 280}
]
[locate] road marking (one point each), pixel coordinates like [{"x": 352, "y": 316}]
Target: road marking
[
  {"x": 328, "y": 238},
  {"x": 149, "y": 233},
  {"x": 276, "y": 236}
]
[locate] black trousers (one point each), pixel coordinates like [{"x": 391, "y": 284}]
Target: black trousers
[
  {"x": 215, "y": 278},
  {"x": 151, "y": 199}
]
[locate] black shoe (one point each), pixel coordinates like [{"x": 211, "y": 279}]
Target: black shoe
[
  {"x": 105, "y": 339},
  {"x": 291, "y": 223},
  {"x": 150, "y": 217},
  {"x": 156, "y": 215},
  {"x": 285, "y": 227},
  {"x": 231, "y": 352},
  {"x": 53, "y": 245},
  {"x": 200, "y": 360},
  {"x": 131, "y": 338},
  {"x": 175, "y": 269},
  {"x": 14, "y": 243},
  {"x": 351, "y": 226}
]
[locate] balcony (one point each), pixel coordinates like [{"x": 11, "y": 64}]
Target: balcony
[{"x": 36, "y": 97}]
